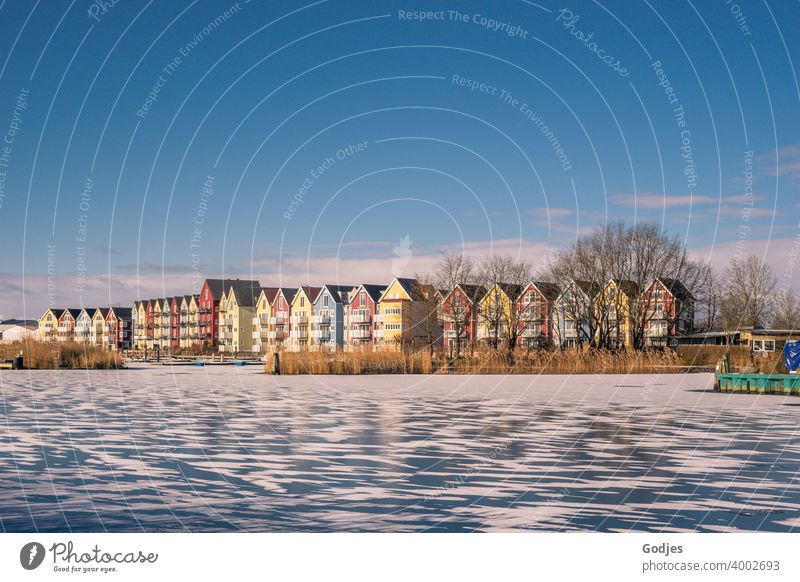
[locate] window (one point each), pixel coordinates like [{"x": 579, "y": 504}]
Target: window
[
  {"x": 363, "y": 299},
  {"x": 302, "y": 302},
  {"x": 325, "y": 301}
]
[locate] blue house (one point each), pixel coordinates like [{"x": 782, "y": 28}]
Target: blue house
[{"x": 327, "y": 322}]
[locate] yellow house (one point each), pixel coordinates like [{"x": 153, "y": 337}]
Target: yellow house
[
  {"x": 302, "y": 308},
  {"x": 158, "y": 305},
  {"x": 613, "y": 311},
  {"x": 236, "y": 310},
  {"x": 194, "y": 321},
  {"x": 495, "y": 313},
  {"x": 261, "y": 319},
  {"x": 48, "y": 325},
  {"x": 99, "y": 327},
  {"x": 406, "y": 315}
]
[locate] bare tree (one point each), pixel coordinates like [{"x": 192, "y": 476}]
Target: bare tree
[
  {"x": 504, "y": 279},
  {"x": 454, "y": 275},
  {"x": 786, "y": 310},
  {"x": 632, "y": 257},
  {"x": 747, "y": 293}
]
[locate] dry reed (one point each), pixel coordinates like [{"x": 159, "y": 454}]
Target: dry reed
[{"x": 50, "y": 355}]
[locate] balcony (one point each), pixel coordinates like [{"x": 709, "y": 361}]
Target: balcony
[
  {"x": 321, "y": 319},
  {"x": 360, "y": 318},
  {"x": 359, "y": 334},
  {"x": 299, "y": 333},
  {"x": 378, "y": 333},
  {"x": 276, "y": 320},
  {"x": 379, "y": 318},
  {"x": 321, "y": 334},
  {"x": 298, "y": 319},
  {"x": 273, "y": 335}
]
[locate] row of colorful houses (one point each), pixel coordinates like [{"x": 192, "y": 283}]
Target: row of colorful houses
[
  {"x": 106, "y": 327},
  {"x": 241, "y": 316}
]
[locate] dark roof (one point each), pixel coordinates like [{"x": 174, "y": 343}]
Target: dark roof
[
  {"x": 473, "y": 292},
  {"x": 339, "y": 292},
  {"x": 74, "y": 312},
  {"x": 411, "y": 287},
  {"x": 270, "y": 293},
  {"x": 122, "y": 312},
  {"x": 220, "y": 286},
  {"x": 374, "y": 291},
  {"x": 512, "y": 290},
  {"x": 103, "y": 310},
  {"x": 630, "y": 288},
  {"x": 550, "y": 290},
  {"x": 311, "y": 292},
  {"x": 588, "y": 287},
  {"x": 288, "y": 293},
  {"x": 246, "y": 292},
  {"x": 56, "y": 312},
  {"x": 676, "y": 288}
]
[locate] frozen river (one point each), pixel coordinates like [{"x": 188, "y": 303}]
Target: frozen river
[{"x": 228, "y": 448}]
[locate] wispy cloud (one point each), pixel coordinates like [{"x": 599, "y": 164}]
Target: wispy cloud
[
  {"x": 652, "y": 201},
  {"x": 153, "y": 268}
]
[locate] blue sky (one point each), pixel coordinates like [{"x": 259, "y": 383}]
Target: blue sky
[{"x": 350, "y": 141}]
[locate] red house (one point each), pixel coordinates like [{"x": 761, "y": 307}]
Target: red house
[
  {"x": 459, "y": 316},
  {"x": 118, "y": 329},
  {"x": 279, "y": 326},
  {"x": 360, "y": 323},
  {"x": 535, "y": 305},
  {"x": 208, "y": 307},
  {"x": 175, "y": 323},
  {"x": 668, "y": 309},
  {"x": 149, "y": 322}
]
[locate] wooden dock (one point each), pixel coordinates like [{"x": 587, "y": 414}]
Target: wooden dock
[{"x": 758, "y": 383}]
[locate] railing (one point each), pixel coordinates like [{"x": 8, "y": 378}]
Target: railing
[
  {"x": 359, "y": 334},
  {"x": 321, "y": 334},
  {"x": 276, "y": 320},
  {"x": 298, "y": 333},
  {"x": 365, "y": 318},
  {"x": 320, "y": 319},
  {"x": 294, "y": 319},
  {"x": 379, "y": 318}
]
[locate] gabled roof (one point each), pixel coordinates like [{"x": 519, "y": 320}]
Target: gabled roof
[
  {"x": 122, "y": 312},
  {"x": 676, "y": 288},
  {"x": 270, "y": 293},
  {"x": 512, "y": 290},
  {"x": 410, "y": 286},
  {"x": 288, "y": 294},
  {"x": 89, "y": 311},
  {"x": 311, "y": 292},
  {"x": 245, "y": 292},
  {"x": 338, "y": 292},
  {"x": 220, "y": 286},
  {"x": 589, "y": 288},
  {"x": 550, "y": 291},
  {"x": 629, "y": 288},
  {"x": 473, "y": 292},
  {"x": 74, "y": 312},
  {"x": 103, "y": 310},
  {"x": 374, "y": 291},
  {"x": 56, "y": 312}
]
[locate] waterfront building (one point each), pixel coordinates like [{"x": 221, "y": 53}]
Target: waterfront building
[
  {"x": 459, "y": 312},
  {"x": 261, "y": 319},
  {"x": 48, "y": 325},
  {"x": 327, "y": 321},
  {"x": 359, "y": 320},
  {"x": 406, "y": 315},
  {"x": 302, "y": 308},
  {"x": 616, "y": 305},
  {"x": 497, "y": 313},
  {"x": 573, "y": 316},
  {"x": 668, "y": 309},
  {"x": 66, "y": 325},
  {"x": 536, "y": 314},
  {"x": 280, "y": 319},
  {"x": 98, "y": 328},
  {"x": 208, "y": 310},
  {"x": 119, "y": 329},
  {"x": 236, "y": 311}
]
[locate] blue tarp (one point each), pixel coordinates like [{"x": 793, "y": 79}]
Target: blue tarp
[{"x": 791, "y": 355}]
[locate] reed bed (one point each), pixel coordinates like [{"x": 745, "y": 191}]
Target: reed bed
[
  {"x": 587, "y": 361},
  {"x": 40, "y": 355}
]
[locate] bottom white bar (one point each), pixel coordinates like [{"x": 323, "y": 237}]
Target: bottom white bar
[{"x": 373, "y": 557}]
